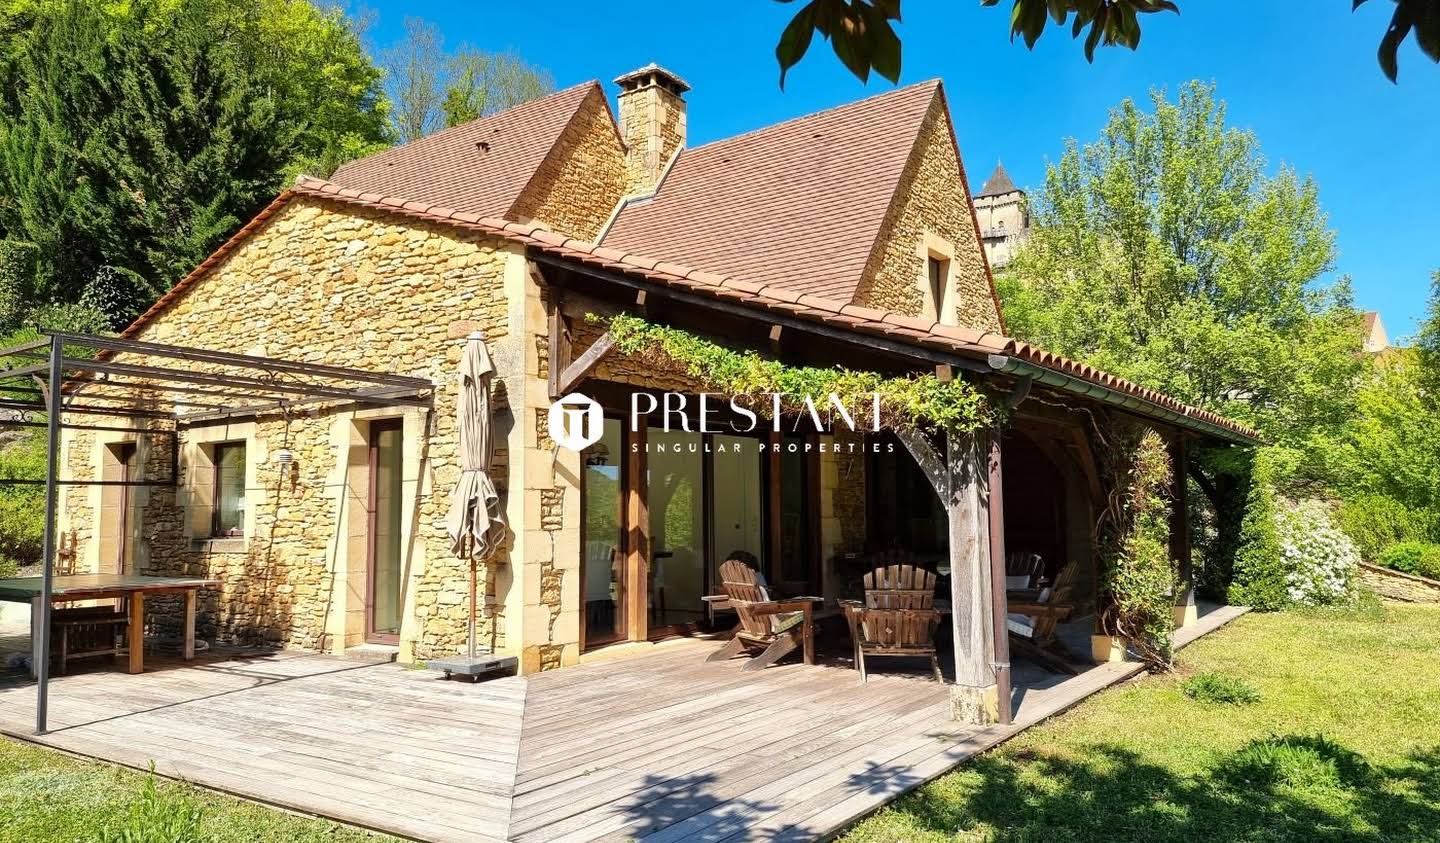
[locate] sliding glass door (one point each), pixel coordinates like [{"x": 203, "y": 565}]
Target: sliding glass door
[
  {"x": 677, "y": 498},
  {"x": 682, "y": 503},
  {"x": 602, "y": 491},
  {"x": 386, "y": 577}
]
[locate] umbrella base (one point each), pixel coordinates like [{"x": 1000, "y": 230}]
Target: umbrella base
[{"x": 473, "y": 667}]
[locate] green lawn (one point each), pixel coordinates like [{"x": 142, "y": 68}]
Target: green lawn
[
  {"x": 46, "y": 796},
  {"x": 1343, "y": 745}
]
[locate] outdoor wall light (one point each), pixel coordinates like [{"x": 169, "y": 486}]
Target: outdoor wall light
[{"x": 284, "y": 457}]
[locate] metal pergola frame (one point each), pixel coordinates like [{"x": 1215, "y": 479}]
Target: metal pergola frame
[{"x": 158, "y": 383}]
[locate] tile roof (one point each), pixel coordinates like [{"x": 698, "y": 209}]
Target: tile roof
[
  {"x": 480, "y": 166},
  {"x": 798, "y": 204},
  {"x": 773, "y": 297},
  {"x": 999, "y": 183}
]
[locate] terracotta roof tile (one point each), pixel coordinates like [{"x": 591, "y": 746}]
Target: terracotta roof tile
[
  {"x": 481, "y": 166},
  {"x": 863, "y": 320},
  {"x": 798, "y": 204}
]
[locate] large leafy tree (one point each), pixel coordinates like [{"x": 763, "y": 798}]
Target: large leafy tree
[
  {"x": 862, "y": 35},
  {"x": 1163, "y": 252},
  {"x": 434, "y": 88},
  {"x": 135, "y": 137}
]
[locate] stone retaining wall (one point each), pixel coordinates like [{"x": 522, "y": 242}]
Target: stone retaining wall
[{"x": 1397, "y": 585}]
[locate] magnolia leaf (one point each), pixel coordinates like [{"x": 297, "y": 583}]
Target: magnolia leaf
[
  {"x": 885, "y": 53},
  {"x": 1399, "y": 28},
  {"x": 795, "y": 40}
]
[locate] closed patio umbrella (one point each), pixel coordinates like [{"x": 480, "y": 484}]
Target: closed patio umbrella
[{"x": 475, "y": 523}]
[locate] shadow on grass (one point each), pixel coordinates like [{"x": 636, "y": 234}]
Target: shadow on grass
[{"x": 1290, "y": 788}]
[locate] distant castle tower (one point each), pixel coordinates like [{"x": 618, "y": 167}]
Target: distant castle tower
[{"x": 1004, "y": 219}]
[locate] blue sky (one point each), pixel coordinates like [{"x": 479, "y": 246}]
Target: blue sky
[{"x": 1306, "y": 83}]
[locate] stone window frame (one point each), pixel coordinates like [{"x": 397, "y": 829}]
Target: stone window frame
[
  {"x": 197, "y": 454},
  {"x": 932, "y": 245}
]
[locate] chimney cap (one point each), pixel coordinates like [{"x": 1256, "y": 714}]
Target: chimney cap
[{"x": 660, "y": 75}]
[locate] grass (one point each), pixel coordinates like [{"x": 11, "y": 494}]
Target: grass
[
  {"x": 47, "y": 796},
  {"x": 1342, "y": 744},
  {"x": 1219, "y": 688}
]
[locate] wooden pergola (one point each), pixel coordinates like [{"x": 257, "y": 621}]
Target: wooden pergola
[{"x": 160, "y": 389}]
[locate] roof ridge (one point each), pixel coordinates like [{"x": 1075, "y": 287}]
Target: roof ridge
[{"x": 932, "y": 82}]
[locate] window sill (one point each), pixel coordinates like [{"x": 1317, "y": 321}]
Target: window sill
[{"x": 219, "y": 544}]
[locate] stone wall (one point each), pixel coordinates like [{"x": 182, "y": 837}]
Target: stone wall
[
  {"x": 1396, "y": 585},
  {"x": 333, "y": 284},
  {"x": 931, "y": 215},
  {"x": 582, "y": 179}
]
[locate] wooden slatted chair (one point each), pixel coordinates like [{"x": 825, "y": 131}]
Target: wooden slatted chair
[
  {"x": 1032, "y": 623},
  {"x": 774, "y": 627},
  {"x": 897, "y": 618}
]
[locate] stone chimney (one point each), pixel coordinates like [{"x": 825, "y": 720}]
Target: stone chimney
[{"x": 652, "y": 124}]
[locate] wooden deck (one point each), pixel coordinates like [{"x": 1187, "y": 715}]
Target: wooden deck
[{"x": 660, "y": 747}]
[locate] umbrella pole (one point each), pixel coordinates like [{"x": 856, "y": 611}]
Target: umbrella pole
[{"x": 471, "y": 556}]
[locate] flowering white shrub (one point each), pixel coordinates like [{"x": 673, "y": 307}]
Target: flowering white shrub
[{"x": 1320, "y": 562}]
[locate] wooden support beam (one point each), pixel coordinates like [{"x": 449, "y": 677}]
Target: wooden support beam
[
  {"x": 559, "y": 346},
  {"x": 960, "y": 478},
  {"x": 975, "y": 697},
  {"x": 1185, "y": 611},
  {"x": 581, "y": 367},
  {"x": 999, "y": 602},
  {"x": 637, "y": 538},
  {"x": 930, "y": 460}
]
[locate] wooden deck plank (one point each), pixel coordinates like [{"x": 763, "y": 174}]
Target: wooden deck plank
[{"x": 662, "y": 746}]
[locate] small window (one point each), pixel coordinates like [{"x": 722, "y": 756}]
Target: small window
[
  {"x": 937, "y": 271},
  {"x": 228, "y": 519}
]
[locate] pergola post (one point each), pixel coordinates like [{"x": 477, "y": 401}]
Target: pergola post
[
  {"x": 1185, "y": 611},
  {"x": 999, "y": 602},
  {"x": 41, "y": 625},
  {"x": 975, "y": 697},
  {"x": 961, "y": 478}
]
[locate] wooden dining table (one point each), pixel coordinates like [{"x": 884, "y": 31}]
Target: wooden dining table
[{"x": 131, "y": 588}]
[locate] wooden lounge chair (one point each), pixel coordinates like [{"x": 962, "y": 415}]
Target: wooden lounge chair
[
  {"x": 774, "y": 627},
  {"x": 897, "y": 618},
  {"x": 1032, "y": 623}
]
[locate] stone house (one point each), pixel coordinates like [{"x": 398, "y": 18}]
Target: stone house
[{"x": 846, "y": 237}]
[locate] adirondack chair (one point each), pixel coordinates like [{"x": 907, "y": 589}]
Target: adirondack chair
[
  {"x": 774, "y": 627},
  {"x": 897, "y": 618},
  {"x": 1023, "y": 569},
  {"x": 1032, "y": 623}
]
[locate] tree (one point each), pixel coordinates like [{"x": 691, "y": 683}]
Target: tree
[
  {"x": 1163, "y": 253},
  {"x": 415, "y": 71},
  {"x": 434, "y": 89},
  {"x": 1427, "y": 341},
  {"x": 484, "y": 83},
  {"x": 1385, "y": 462},
  {"x": 137, "y": 136},
  {"x": 863, "y": 39}
]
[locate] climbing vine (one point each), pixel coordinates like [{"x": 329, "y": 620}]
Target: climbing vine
[
  {"x": 921, "y": 400},
  {"x": 1137, "y": 576}
]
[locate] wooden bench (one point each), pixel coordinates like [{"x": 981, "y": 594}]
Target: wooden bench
[{"x": 86, "y": 631}]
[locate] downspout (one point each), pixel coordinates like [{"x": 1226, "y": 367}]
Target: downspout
[{"x": 1008, "y": 365}]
